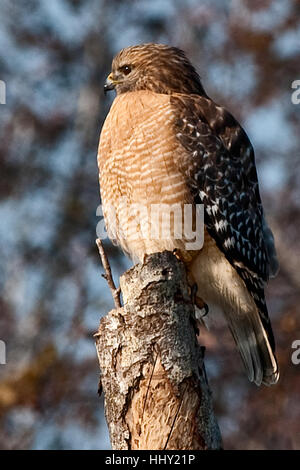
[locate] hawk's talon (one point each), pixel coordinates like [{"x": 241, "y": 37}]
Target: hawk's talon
[
  {"x": 206, "y": 310},
  {"x": 194, "y": 289}
]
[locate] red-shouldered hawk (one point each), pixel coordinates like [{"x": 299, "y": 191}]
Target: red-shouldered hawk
[{"x": 165, "y": 142}]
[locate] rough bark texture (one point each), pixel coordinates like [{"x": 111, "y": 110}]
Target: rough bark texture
[{"x": 152, "y": 371}]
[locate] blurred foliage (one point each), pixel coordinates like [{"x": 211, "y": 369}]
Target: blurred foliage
[{"x": 54, "y": 57}]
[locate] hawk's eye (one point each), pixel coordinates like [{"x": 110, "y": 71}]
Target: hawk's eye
[{"x": 126, "y": 69}]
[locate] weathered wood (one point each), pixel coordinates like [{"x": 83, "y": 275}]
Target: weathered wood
[{"x": 152, "y": 371}]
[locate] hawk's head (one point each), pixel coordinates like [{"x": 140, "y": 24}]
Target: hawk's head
[{"x": 155, "y": 67}]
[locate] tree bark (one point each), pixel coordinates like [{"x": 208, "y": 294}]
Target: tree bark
[{"x": 152, "y": 371}]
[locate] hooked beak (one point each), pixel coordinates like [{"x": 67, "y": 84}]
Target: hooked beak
[{"x": 110, "y": 83}]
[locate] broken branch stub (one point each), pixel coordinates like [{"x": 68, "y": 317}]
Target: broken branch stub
[{"x": 152, "y": 370}]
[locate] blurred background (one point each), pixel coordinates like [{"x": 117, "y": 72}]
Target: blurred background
[{"x": 54, "y": 57}]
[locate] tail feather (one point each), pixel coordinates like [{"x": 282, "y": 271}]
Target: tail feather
[{"x": 254, "y": 347}]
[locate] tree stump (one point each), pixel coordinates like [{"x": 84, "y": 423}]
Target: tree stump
[{"x": 152, "y": 371}]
